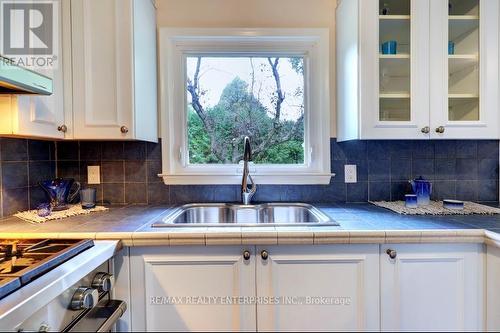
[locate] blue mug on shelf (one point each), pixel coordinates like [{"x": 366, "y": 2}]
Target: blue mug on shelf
[
  {"x": 389, "y": 47},
  {"x": 451, "y": 48},
  {"x": 423, "y": 189}
]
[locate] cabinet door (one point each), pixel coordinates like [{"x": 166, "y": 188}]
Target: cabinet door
[
  {"x": 433, "y": 287},
  {"x": 493, "y": 289},
  {"x": 192, "y": 289},
  {"x": 102, "y": 68},
  {"x": 464, "y": 69},
  {"x": 40, "y": 116},
  {"x": 394, "y": 51},
  {"x": 306, "y": 288}
]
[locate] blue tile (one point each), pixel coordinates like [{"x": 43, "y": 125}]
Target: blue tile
[
  {"x": 136, "y": 193},
  {"x": 336, "y": 152},
  {"x": 443, "y": 190},
  {"x": 467, "y": 190},
  {"x": 467, "y": 169},
  {"x": 67, "y": 150},
  {"x": 337, "y": 168},
  {"x": 112, "y": 151},
  {"x": 15, "y": 200},
  {"x": 466, "y": 149},
  {"x": 154, "y": 169},
  {"x": 39, "y": 150},
  {"x": 68, "y": 169},
  {"x": 84, "y": 169},
  {"x": 379, "y": 170},
  {"x": 90, "y": 150},
  {"x": 423, "y": 149},
  {"x": 227, "y": 193},
  {"x": 153, "y": 150},
  {"x": 40, "y": 171},
  {"x": 401, "y": 148},
  {"x": 445, "y": 169},
  {"x": 158, "y": 193},
  {"x": 335, "y": 192},
  {"x": 114, "y": 193},
  {"x": 378, "y": 150},
  {"x": 357, "y": 192},
  {"x": 400, "y": 169},
  {"x": 269, "y": 193},
  {"x": 351, "y": 150},
  {"x": 399, "y": 189},
  {"x": 423, "y": 168},
  {"x": 488, "y": 169},
  {"x": 14, "y": 149},
  {"x": 379, "y": 191},
  {"x": 14, "y": 175},
  {"x": 135, "y": 171},
  {"x": 135, "y": 150},
  {"x": 113, "y": 172},
  {"x": 488, "y": 149},
  {"x": 445, "y": 149},
  {"x": 488, "y": 190},
  {"x": 181, "y": 194}
]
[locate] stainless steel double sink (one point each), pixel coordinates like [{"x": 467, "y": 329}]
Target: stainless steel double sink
[{"x": 234, "y": 215}]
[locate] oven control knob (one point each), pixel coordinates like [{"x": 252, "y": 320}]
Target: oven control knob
[
  {"x": 84, "y": 298},
  {"x": 103, "y": 282}
]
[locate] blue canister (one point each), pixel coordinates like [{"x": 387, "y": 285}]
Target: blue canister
[
  {"x": 423, "y": 189},
  {"x": 451, "y": 48},
  {"x": 411, "y": 201},
  {"x": 389, "y": 47}
]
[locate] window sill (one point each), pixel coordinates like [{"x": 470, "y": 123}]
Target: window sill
[{"x": 232, "y": 179}]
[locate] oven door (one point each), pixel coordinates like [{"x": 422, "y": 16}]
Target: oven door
[{"x": 101, "y": 318}]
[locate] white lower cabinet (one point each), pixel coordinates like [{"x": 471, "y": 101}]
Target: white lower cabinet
[
  {"x": 311, "y": 288},
  {"x": 432, "y": 287},
  {"x": 319, "y": 288},
  {"x": 493, "y": 289},
  {"x": 170, "y": 284},
  {"x": 272, "y": 288}
]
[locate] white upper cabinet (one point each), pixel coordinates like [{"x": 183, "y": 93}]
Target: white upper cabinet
[
  {"x": 114, "y": 69},
  {"x": 417, "y": 69},
  {"x": 41, "y": 116},
  {"x": 464, "y": 68}
]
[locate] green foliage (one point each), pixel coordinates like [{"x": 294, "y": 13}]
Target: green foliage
[{"x": 239, "y": 114}]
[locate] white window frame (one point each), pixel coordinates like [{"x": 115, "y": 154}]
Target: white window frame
[{"x": 312, "y": 44}]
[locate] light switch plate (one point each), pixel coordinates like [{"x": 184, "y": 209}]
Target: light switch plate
[
  {"x": 94, "y": 174},
  {"x": 351, "y": 173}
]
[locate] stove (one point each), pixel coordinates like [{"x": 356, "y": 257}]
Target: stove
[
  {"x": 58, "y": 285},
  {"x": 22, "y": 261}
]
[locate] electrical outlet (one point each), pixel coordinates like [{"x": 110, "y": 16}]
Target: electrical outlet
[
  {"x": 94, "y": 174},
  {"x": 351, "y": 174}
]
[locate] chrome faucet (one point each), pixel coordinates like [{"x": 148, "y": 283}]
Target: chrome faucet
[{"x": 247, "y": 192}]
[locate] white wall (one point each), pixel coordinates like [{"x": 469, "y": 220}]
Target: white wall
[{"x": 255, "y": 14}]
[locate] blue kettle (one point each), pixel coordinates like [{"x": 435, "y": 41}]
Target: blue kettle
[{"x": 423, "y": 189}]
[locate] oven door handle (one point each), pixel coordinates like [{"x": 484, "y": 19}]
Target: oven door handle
[{"x": 101, "y": 318}]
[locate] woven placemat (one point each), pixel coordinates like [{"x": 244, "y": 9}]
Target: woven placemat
[
  {"x": 74, "y": 210},
  {"x": 436, "y": 208}
]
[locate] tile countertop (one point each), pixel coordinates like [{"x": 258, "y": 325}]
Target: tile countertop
[{"x": 360, "y": 223}]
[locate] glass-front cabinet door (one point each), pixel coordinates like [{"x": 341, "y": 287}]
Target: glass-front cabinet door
[
  {"x": 398, "y": 46},
  {"x": 464, "y": 68}
]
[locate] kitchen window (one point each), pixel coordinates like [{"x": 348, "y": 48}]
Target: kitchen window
[{"x": 220, "y": 85}]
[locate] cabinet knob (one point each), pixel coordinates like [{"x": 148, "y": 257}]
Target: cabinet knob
[
  {"x": 264, "y": 255},
  {"x": 103, "y": 282},
  {"x": 246, "y": 255},
  {"x": 440, "y": 129},
  {"x": 391, "y": 253},
  {"x": 426, "y": 130},
  {"x": 62, "y": 128},
  {"x": 124, "y": 129},
  {"x": 84, "y": 298}
]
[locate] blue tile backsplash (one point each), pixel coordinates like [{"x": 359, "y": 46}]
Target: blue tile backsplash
[{"x": 460, "y": 169}]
